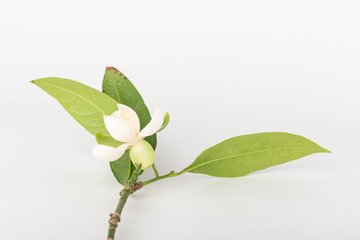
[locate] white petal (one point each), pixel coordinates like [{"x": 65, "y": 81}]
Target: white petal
[
  {"x": 108, "y": 154},
  {"x": 130, "y": 115},
  {"x": 116, "y": 114},
  {"x": 120, "y": 129},
  {"x": 154, "y": 125}
]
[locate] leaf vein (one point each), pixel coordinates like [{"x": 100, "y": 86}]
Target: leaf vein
[
  {"x": 67, "y": 90},
  {"x": 242, "y": 154}
]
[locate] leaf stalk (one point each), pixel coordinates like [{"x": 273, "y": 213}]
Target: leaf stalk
[{"x": 171, "y": 174}]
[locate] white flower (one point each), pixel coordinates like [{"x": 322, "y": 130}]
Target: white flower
[{"x": 124, "y": 126}]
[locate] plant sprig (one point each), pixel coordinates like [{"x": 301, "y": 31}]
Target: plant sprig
[{"x": 105, "y": 113}]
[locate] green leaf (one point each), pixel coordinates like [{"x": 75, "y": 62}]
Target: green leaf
[
  {"x": 85, "y": 104},
  {"x": 166, "y": 122},
  {"x": 118, "y": 86},
  {"x": 123, "y": 168},
  {"x": 242, "y": 155},
  {"x": 107, "y": 140}
]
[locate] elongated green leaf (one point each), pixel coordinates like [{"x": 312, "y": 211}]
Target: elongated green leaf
[
  {"x": 107, "y": 140},
  {"x": 85, "y": 104},
  {"x": 119, "y": 87},
  {"x": 242, "y": 155}
]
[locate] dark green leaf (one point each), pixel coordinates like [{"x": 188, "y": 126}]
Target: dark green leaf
[
  {"x": 123, "y": 165},
  {"x": 118, "y": 86},
  {"x": 123, "y": 168}
]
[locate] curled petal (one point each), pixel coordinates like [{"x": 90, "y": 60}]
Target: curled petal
[
  {"x": 154, "y": 125},
  {"x": 108, "y": 154},
  {"x": 120, "y": 129},
  {"x": 130, "y": 115}
]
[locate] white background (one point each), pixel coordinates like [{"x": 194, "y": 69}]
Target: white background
[{"x": 221, "y": 68}]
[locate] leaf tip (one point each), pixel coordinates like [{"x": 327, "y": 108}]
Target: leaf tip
[
  {"x": 324, "y": 150},
  {"x": 111, "y": 68},
  {"x": 327, "y": 151},
  {"x": 98, "y": 137}
]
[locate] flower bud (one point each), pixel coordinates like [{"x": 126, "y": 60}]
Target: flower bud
[{"x": 142, "y": 153}]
